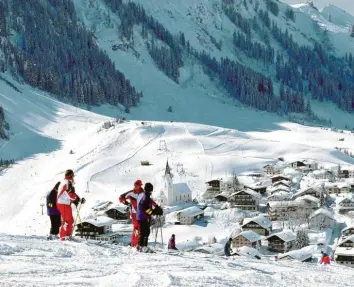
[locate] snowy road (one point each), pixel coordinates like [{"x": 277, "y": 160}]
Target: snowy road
[{"x": 33, "y": 261}]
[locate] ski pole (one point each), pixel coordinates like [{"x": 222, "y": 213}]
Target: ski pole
[
  {"x": 77, "y": 216},
  {"x": 161, "y": 231}
]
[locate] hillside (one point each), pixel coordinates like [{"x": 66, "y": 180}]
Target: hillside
[
  {"x": 106, "y": 162},
  {"x": 173, "y": 60}
]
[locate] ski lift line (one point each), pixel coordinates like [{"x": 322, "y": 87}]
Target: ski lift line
[{"x": 128, "y": 158}]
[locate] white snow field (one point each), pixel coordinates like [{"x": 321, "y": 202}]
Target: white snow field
[
  {"x": 107, "y": 161},
  {"x": 32, "y": 261}
]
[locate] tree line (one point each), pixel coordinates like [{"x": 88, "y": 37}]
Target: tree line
[{"x": 47, "y": 46}]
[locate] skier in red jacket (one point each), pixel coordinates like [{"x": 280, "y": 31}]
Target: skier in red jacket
[
  {"x": 67, "y": 196},
  {"x": 130, "y": 198},
  {"x": 325, "y": 258}
]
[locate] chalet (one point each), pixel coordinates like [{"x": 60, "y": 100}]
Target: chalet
[
  {"x": 221, "y": 197},
  {"x": 345, "y": 256},
  {"x": 297, "y": 163},
  {"x": 348, "y": 231},
  {"x": 322, "y": 218},
  {"x": 271, "y": 169},
  {"x": 323, "y": 174},
  {"x": 213, "y": 189},
  {"x": 347, "y": 242},
  {"x": 280, "y": 195},
  {"x": 279, "y": 177},
  {"x": 281, "y": 242},
  {"x": 258, "y": 187},
  {"x": 282, "y": 210},
  {"x": 345, "y": 205},
  {"x": 118, "y": 212},
  {"x": 258, "y": 224},
  {"x": 246, "y": 199},
  {"x": 336, "y": 188},
  {"x": 299, "y": 255},
  {"x": 99, "y": 228},
  {"x": 282, "y": 183},
  {"x": 246, "y": 238},
  {"x": 347, "y": 173},
  {"x": 311, "y": 164},
  {"x": 310, "y": 201},
  {"x": 185, "y": 216},
  {"x": 308, "y": 191}
]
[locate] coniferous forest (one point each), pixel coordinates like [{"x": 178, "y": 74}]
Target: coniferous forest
[{"x": 46, "y": 44}]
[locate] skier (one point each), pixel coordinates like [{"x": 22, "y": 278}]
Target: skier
[
  {"x": 53, "y": 212},
  {"x": 130, "y": 198},
  {"x": 325, "y": 259},
  {"x": 227, "y": 248},
  {"x": 143, "y": 215},
  {"x": 66, "y": 196},
  {"x": 172, "y": 243}
]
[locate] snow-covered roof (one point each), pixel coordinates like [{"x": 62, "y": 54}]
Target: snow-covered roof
[
  {"x": 245, "y": 250},
  {"x": 336, "y": 184},
  {"x": 309, "y": 198},
  {"x": 345, "y": 200},
  {"x": 321, "y": 172},
  {"x": 285, "y": 235},
  {"x": 282, "y": 176},
  {"x": 100, "y": 221},
  {"x": 248, "y": 191},
  {"x": 305, "y": 190},
  {"x": 324, "y": 212},
  {"x": 281, "y": 194},
  {"x": 347, "y": 239},
  {"x": 287, "y": 203},
  {"x": 281, "y": 182},
  {"x": 260, "y": 220},
  {"x": 210, "y": 248},
  {"x": 300, "y": 255},
  {"x": 191, "y": 211},
  {"x": 344, "y": 251},
  {"x": 250, "y": 235},
  {"x": 347, "y": 228},
  {"x": 181, "y": 188},
  {"x": 120, "y": 208}
]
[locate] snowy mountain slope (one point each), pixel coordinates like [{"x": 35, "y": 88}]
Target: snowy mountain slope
[
  {"x": 193, "y": 98},
  {"x": 107, "y": 161},
  {"x": 337, "y": 25},
  {"x": 27, "y": 265}
]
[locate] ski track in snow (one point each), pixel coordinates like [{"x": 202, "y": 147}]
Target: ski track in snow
[{"x": 26, "y": 261}]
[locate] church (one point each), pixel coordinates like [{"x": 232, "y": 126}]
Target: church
[{"x": 173, "y": 193}]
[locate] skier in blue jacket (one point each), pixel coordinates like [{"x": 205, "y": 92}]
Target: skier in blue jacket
[{"x": 144, "y": 212}]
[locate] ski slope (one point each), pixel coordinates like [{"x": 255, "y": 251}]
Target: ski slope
[
  {"x": 107, "y": 161},
  {"x": 24, "y": 261}
]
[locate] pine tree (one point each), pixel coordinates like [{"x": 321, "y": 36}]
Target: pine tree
[
  {"x": 352, "y": 31},
  {"x": 302, "y": 239}
]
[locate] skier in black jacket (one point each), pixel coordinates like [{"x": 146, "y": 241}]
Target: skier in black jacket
[{"x": 53, "y": 212}]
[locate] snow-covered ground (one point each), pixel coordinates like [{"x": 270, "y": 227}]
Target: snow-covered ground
[
  {"x": 107, "y": 161},
  {"x": 32, "y": 261}
]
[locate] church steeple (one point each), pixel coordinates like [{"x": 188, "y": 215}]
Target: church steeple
[{"x": 168, "y": 169}]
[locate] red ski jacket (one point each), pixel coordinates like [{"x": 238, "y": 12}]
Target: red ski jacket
[{"x": 132, "y": 197}]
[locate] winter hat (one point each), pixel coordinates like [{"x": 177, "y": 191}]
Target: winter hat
[
  {"x": 138, "y": 182},
  {"x": 148, "y": 187},
  {"x": 69, "y": 173}
]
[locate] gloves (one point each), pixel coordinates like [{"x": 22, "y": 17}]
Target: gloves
[
  {"x": 76, "y": 201},
  {"x": 157, "y": 210},
  {"x": 83, "y": 200}
]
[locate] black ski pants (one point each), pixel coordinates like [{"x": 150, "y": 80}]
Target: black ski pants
[
  {"x": 55, "y": 221},
  {"x": 144, "y": 227}
]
